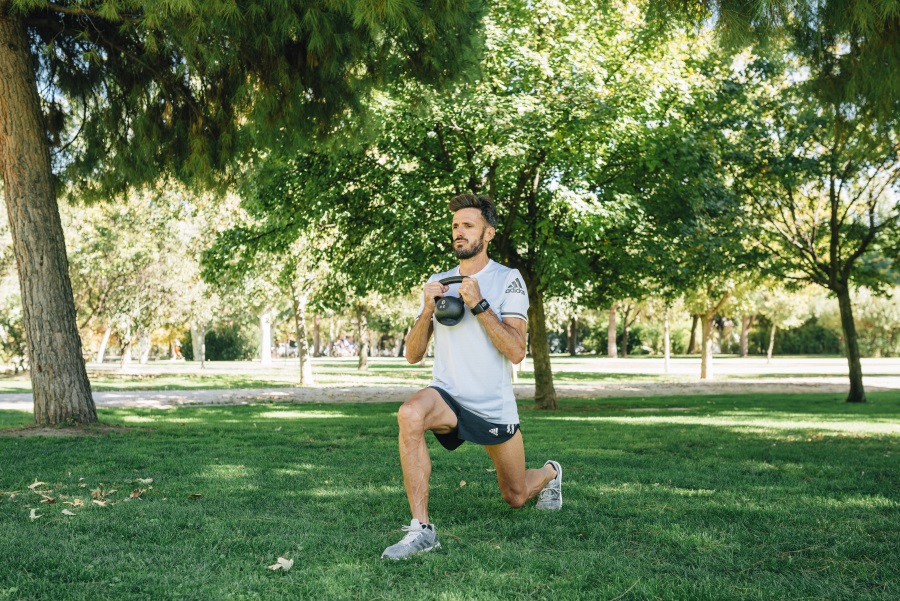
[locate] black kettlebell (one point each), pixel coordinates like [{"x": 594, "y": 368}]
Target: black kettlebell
[{"x": 449, "y": 310}]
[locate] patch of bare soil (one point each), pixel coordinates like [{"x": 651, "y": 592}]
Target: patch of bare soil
[{"x": 74, "y": 430}]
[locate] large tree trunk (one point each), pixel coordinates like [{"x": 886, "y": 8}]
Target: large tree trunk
[
  {"x": 746, "y": 324},
  {"x": 544, "y": 391},
  {"x": 771, "y": 344},
  {"x": 144, "y": 347},
  {"x": 306, "y": 374},
  {"x": 625, "y": 315},
  {"x": 611, "y": 350},
  {"x": 362, "y": 338},
  {"x": 692, "y": 345},
  {"x": 851, "y": 346},
  {"x": 61, "y": 389}
]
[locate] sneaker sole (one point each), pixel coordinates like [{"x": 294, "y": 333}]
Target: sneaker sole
[{"x": 434, "y": 547}]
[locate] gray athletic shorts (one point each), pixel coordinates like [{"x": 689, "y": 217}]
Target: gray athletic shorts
[{"x": 472, "y": 427}]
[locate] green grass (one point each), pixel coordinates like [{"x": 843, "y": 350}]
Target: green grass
[{"x": 713, "y": 497}]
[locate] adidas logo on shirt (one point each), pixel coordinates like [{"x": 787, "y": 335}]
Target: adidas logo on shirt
[{"x": 515, "y": 287}]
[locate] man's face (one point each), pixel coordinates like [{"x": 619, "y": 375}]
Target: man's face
[{"x": 470, "y": 233}]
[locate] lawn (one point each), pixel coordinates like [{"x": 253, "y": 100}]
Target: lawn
[{"x": 729, "y": 497}]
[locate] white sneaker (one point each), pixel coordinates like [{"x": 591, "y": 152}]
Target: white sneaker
[
  {"x": 551, "y": 495},
  {"x": 419, "y": 539}
]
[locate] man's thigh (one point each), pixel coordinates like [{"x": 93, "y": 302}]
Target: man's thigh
[
  {"x": 509, "y": 460},
  {"x": 428, "y": 406}
]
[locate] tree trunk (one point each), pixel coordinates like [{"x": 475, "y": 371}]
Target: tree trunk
[
  {"x": 317, "y": 337},
  {"x": 306, "y": 374},
  {"x": 59, "y": 381},
  {"x": 198, "y": 341},
  {"x": 329, "y": 349},
  {"x": 125, "y": 343},
  {"x": 573, "y": 336},
  {"x": 611, "y": 350},
  {"x": 771, "y": 344},
  {"x": 625, "y": 315},
  {"x": 746, "y": 324},
  {"x": 101, "y": 352},
  {"x": 362, "y": 338},
  {"x": 692, "y": 345},
  {"x": 851, "y": 346},
  {"x": 144, "y": 347},
  {"x": 667, "y": 342},
  {"x": 544, "y": 391},
  {"x": 265, "y": 338},
  {"x": 706, "y": 368}
]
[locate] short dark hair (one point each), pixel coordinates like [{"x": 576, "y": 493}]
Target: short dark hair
[{"x": 473, "y": 201}]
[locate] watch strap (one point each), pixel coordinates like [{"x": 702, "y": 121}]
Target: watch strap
[{"x": 481, "y": 307}]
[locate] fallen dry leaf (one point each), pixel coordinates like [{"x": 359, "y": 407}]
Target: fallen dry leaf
[
  {"x": 195, "y": 496},
  {"x": 137, "y": 492},
  {"x": 34, "y": 514},
  {"x": 462, "y": 483},
  {"x": 48, "y": 500},
  {"x": 98, "y": 502},
  {"x": 278, "y": 429},
  {"x": 35, "y": 485},
  {"x": 96, "y": 494},
  {"x": 282, "y": 564},
  {"x": 145, "y": 480},
  {"x": 76, "y": 503},
  {"x": 67, "y": 512}
]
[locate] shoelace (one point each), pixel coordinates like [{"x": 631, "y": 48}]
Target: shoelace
[
  {"x": 549, "y": 494},
  {"x": 413, "y": 534}
]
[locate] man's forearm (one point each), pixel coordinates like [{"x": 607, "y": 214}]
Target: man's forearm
[
  {"x": 418, "y": 338},
  {"x": 508, "y": 338}
]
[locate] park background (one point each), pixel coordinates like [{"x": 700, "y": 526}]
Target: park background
[{"x": 220, "y": 216}]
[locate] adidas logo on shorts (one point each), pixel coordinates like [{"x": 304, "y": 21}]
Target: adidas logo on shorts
[
  {"x": 515, "y": 287},
  {"x": 494, "y": 431}
]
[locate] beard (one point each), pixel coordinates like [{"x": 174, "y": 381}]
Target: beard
[{"x": 471, "y": 251}]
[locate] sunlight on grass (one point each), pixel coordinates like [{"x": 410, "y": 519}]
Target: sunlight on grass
[
  {"x": 224, "y": 471},
  {"x": 137, "y": 419},
  {"x": 744, "y": 421},
  {"x": 301, "y": 414}
]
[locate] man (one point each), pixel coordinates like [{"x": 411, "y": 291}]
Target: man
[{"x": 471, "y": 396}]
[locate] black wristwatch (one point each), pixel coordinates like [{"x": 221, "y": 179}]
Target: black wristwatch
[{"x": 481, "y": 307}]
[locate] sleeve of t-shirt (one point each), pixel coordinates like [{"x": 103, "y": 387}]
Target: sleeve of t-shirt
[{"x": 515, "y": 296}]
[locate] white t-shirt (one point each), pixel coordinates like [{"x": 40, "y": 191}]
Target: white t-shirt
[{"x": 466, "y": 363}]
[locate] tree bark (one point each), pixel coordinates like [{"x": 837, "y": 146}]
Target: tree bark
[
  {"x": 692, "y": 345},
  {"x": 706, "y": 368},
  {"x": 573, "y": 336},
  {"x": 625, "y": 315},
  {"x": 198, "y": 341},
  {"x": 544, "y": 391},
  {"x": 746, "y": 324},
  {"x": 61, "y": 389},
  {"x": 362, "y": 338},
  {"x": 101, "y": 352},
  {"x": 667, "y": 342},
  {"x": 144, "y": 347},
  {"x": 317, "y": 337},
  {"x": 265, "y": 334},
  {"x": 771, "y": 344},
  {"x": 306, "y": 374},
  {"x": 611, "y": 350},
  {"x": 851, "y": 346}
]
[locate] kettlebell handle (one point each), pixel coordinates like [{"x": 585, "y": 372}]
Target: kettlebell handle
[{"x": 453, "y": 279}]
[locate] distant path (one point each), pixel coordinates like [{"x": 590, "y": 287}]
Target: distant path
[{"x": 371, "y": 394}]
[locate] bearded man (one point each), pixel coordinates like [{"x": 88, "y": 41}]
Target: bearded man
[{"x": 470, "y": 397}]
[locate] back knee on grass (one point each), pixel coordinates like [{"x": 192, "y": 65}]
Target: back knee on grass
[{"x": 514, "y": 499}]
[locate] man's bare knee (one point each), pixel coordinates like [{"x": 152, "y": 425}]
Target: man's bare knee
[{"x": 410, "y": 416}]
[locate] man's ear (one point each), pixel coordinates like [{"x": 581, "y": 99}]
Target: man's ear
[{"x": 489, "y": 233}]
